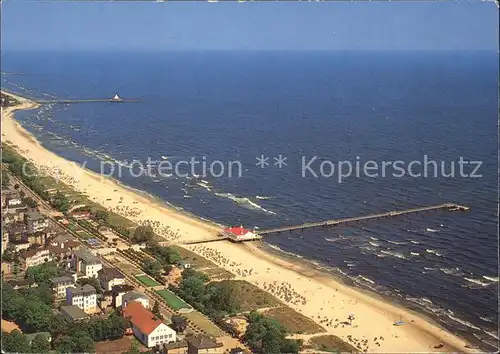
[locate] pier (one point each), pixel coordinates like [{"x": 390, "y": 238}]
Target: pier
[
  {"x": 333, "y": 222},
  {"x": 193, "y": 242},
  {"x": 115, "y": 99}
]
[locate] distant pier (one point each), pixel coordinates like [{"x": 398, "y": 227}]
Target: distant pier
[
  {"x": 333, "y": 222},
  {"x": 115, "y": 99}
]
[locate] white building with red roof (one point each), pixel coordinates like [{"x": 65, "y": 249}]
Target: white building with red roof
[
  {"x": 147, "y": 328},
  {"x": 239, "y": 234}
]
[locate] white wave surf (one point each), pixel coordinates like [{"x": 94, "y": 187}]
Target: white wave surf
[
  {"x": 477, "y": 281},
  {"x": 493, "y": 279},
  {"x": 397, "y": 242},
  {"x": 277, "y": 248},
  {"x": 366, "y": 279},
  {"x": 433, "y": 252},
  {"x": 244, "y": 202},
  {"x": 394, "y": 254},
  {"x": 463, "y": 322}
]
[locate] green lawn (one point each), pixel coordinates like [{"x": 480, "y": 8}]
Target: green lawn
[
  {"x": 84, "y": 235},
  {"x": 74, "y": 227},
  {"x": 147, "y": 280},
  {"x": 172, "y": 300}
]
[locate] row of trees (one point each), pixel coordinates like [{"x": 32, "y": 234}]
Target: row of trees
[
  {"x": 28, "y": 173},
  {"x": 25, "y": 170},
  {"x": 5, "y": 180}
]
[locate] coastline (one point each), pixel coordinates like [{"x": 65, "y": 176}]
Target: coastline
[{"x": 325, "y": 295}]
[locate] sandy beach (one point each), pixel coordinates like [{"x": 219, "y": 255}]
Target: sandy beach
[{"x": 313, "y": 293}]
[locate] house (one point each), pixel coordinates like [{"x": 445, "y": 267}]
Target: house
[
  {"x": 60, "y": 239},
  {"x": 22, "y": 284},
  {"x": 61, "y": 247},
  {"x": 179, "y": 347},
  {"x": 60, "y": 284},
  {"x": 146, "y": 327},
  {"x": 203, "y": 345},
  {"x": 7, "y": 268},
  {"x": 35, "y": 257},
  {"x": 237, "y": 350},
  {"x": 80, "y": 215},
  {"x": 118, "y": 292},
  {"x": 15, "y": 211},
  {"x": 106, "y": 299},
  {"x": 239, "y": 233},
  {"x": 109, "y": 277},
  {"x": 59, "y": 253},
  {"x": 19, "y": 246},
  {"x": 37, "y": 238},
  {"x": 31, "y": 336},
  {"x": 13, "y": 202},
  {"x": 36, "y": 221},
  {"x": 86, "y": 264},
  {"x": 73, "y": 313},
  {"x": 8, "y": 194},
  {"x": 184, "y": 264},
  {"x": 85, "y": 297},
  {"x": 17, "y": 231},
  {"x": 135, "y": 296}
]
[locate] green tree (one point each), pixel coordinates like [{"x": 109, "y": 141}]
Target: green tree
[
  {"x": 156, "y": 310},
  {"x": 40, "y": 344},
  {"x": 43, "y": 273},
  {"x": 273, "y": 338},
  {"x": 82, "y": 343},
  {"x": 15, "y": 342},
  {"x": 60, "y": 202},
  {"x": 153, "y": 268},
  {"x": 5, "y": 179},
  {"x": 167, "y": 268},
  {"x": 268, "y": 336},
  {"x": 179, "y": 323},
  {"x": 43, "y": 293},
  {"x": 8, "y": 256},
  {"x": 134, "y": 349},
  {"x": 143, "y": 234},
  {"x": 255, "y": 330},
  {"x": 100, "y": 215},
  {"x": 192, "y": 289},
  {"x": 64, "y": 344},
  {"x": 30, "y": 202},
  {"x": 37, "y": 315},
  {"x": 223, "y": 298}
]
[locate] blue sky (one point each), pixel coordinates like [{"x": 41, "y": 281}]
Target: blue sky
[{"x": 463, "y": 25}]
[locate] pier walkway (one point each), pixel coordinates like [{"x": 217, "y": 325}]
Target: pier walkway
[
  {"x": 333, "y": 222},
  {"x": 87, "y": 101}
]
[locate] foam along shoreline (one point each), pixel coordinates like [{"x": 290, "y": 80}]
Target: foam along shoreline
[{"x": 317, "y": 295}]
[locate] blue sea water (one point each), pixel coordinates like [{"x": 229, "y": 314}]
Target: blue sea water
[{"x": 236, "y": 106}]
